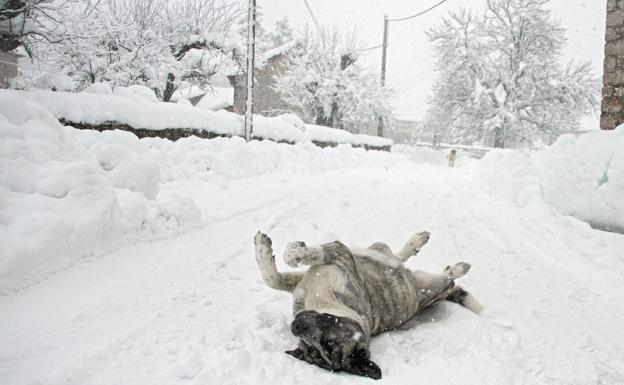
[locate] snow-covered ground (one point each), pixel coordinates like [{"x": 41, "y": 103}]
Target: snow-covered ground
[{"x": 129, "y": 261}]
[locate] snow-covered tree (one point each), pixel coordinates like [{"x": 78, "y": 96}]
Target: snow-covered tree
[
  {"x": 116, "y": 41},
  {"x": 331, "y": 86},
  {"x": 203, "y": 39},
  {"x": 501, "y": 74},
  {"x": 162, "y": 44},
  {"x": 24, "y": 22},
  {"x": 281, "y": 33}
]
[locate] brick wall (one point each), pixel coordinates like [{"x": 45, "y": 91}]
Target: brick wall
[
  {"x": 613, "y": 89},
  {"x": 8, "y": 66}
]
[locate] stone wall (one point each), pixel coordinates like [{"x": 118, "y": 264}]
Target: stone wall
[
  {"x": 174, "y": 134},
  {"x": 267, "y": 101},
  {"x": 613, "y": 89}
]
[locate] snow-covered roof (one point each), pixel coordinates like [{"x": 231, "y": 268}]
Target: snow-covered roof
[
  {"x": 217, "y": 98},
  {"x": 270, "y": 54},
  {"x": 263, "y": 59}
]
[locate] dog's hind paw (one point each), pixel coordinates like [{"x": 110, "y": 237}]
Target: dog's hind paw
[
  {"x": 418, "y": 240},
  {"x": 457, "y": 270},
  {"x": 413, "y": 245}
]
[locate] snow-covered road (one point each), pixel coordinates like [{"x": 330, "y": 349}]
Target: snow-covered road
[{"x": 193, "y": 310}]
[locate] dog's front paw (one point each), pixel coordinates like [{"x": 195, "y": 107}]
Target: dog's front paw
[
  {"x": 457, "y": 270},
  {"x": 264, "y": 250},
  {"x": 262, "y": 239},
  {"x": 295, "y": 253}
]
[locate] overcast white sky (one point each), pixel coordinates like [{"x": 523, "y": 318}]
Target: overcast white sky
[{"x": 410, "y": 61}]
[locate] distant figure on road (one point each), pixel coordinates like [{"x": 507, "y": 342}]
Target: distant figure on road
[{"x": 451, "y": 157}]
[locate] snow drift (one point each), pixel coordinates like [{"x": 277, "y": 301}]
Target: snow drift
[
  {"x": 67, "y": 194},
  {"x": 579, "y": 176}
]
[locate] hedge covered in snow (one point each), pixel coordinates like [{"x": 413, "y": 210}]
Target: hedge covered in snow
[{"x": 137, "y": 110}]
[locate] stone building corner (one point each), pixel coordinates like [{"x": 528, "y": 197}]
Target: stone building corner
[{"x": 613, "y": 81}]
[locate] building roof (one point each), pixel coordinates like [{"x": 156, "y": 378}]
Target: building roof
[{"x": 270, "y": 54}]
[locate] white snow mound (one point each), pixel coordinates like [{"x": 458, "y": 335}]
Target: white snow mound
[
  {"x": 66, "y": 194},
  {"x": 579, "y": 176}
]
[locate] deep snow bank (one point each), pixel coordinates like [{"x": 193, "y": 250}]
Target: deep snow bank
[
  {"x": 66, "y": 194},
  {"x": 233, "y": 158},
  {"x": 579, "y": 176}
]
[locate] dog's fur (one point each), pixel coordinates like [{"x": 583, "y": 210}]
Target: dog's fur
[{"x": 349, "y": 295}]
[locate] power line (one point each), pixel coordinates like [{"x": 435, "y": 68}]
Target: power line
[
  {"x": 316, "y": 23},
  {"x": 420, "y": 13},
  {"x": 369, "y": 48}
]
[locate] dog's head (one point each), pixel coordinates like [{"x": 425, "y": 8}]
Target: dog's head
[{"x": 333, "y": 343}]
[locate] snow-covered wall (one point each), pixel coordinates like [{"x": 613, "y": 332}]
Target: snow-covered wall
[{"x": 138, "y": 108}]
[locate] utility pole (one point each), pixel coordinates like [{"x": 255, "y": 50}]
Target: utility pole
[
  {"x": 384, "y": 48},
  {"x": 251, "y": 42}
]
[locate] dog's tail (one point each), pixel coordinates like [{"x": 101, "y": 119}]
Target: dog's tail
[{"x": 462, "y": 297}]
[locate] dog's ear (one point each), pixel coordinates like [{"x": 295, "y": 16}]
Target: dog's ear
[
  {"x": 297, "y": 353},
  {"x": 365, "y": 367}
]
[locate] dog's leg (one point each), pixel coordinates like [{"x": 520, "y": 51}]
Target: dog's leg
[
  {"x": 457, "y": 270},
  {"x": 462, "y": 297},
  {"x": 266, "y": 263},
  {"x": 382, "y": 248},
  {"x": 433, "y": 288},
  {"x": 413, "y": 245},
  {"x": 297, "y": 253}
]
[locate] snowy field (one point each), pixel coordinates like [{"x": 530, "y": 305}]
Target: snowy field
[{"x": 129, "y": 261}]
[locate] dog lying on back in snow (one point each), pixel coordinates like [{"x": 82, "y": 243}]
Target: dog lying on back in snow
[{"x": 349, "y": 295}]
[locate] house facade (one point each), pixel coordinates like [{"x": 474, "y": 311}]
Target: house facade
[
  {"x": 267, "y": 100},
  {"x": 8, "y": 67}
]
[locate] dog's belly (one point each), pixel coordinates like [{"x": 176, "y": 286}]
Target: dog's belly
[
  {"x": 334, "y": 290},
  {"x": 392, "y": 293},
  {"x": 379, "y": 296}
]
